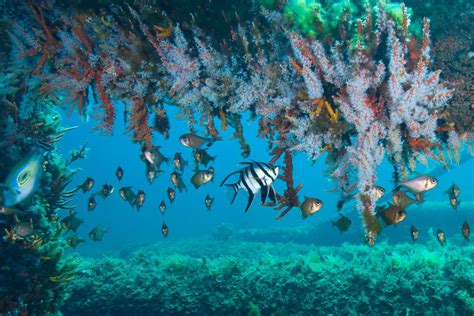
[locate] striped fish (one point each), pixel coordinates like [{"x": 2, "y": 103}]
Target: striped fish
[{"x": 252, "y": 178}]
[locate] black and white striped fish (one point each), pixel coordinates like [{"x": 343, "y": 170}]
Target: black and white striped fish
[{"x": 252, "y": 178}]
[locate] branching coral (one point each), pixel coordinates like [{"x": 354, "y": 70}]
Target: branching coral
[{"x": 357, "y": 83}]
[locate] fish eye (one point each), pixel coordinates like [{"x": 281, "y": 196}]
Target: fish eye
[
  {"x": 433, "y": 180},
  {"x": 23, "y": 177}
]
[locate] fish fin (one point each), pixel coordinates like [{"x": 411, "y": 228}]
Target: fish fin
[
  {"x": 235, "y": 190},
  {"x": 44, "y": 145},
  {"x": 251, "y": 197},
  {"x": 228, "y": 176},
  {"x": 194, "y": 181},
  {"x": 264, "y": 193},
  {"x": 245, "y": 163},
  {"x": 272, "y": 194}
]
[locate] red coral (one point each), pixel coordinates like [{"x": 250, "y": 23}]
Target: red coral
[
  {"x": 139, "y": 122},
  {"x": 289, "y": 199}
]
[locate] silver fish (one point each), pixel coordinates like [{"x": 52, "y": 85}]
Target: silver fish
[{"x": 420, "y": 184}]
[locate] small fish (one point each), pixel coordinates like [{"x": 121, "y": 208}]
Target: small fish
[
  {"x": 71, "y": 222},
  {"x": 164, "y": 230},
  {"x": 392, "y": 214},
  {"x": 127, "y": 194},
  {"x": 310, "y": 206},
  {"x": 87, "y": 185},
  {"x": 253, "y": 177},
  {"x": 378, "y": 192},
  {"x": 119, "y": 173},
  {"x": 419, "y": 197},
  {"x": 105, "y": 191},
  {"x": 415, "y": 233},
  {"x": 162, "y": 207},
  {"x": 74, "y": 241},
  {"x": 179, "y": 162},
  {"x": 140, "y": 199},
  {"x": 343, "y": 223},
  {"x": 419, "y": 184},
  {"x": 454, "y": 202},
  {"x": 24, "y": 229},
  {"x": 151, "y": 173},
  {"x": 91, "y": 204},
  {"x": 23, "y": 179},
  {"x": 194, "y": 141},
  {"x": 97, "y": 233},
  {"x": 208, "y": 202},
  {"x": 171, "y": 194},
  {"x": 10, "y": 211},
  {"x": 466, "y": 230},
  {"x": 441, "y": 237},
  {"x": 453, "y": 193},
  {"x": 153, "y": 156},
  {"x": 372, "y": 227},
  {"x": 201, "y": 156},
  {"x": 177, "y": 180},
  {"x": 202, "y": 177},
  {"x": 454, "y": 190},
  {"x": 402, "y": 200},
  {"x": 78, "y": 154}
]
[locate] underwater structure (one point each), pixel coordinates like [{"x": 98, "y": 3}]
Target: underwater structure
[{"x": 355, "y": 81}]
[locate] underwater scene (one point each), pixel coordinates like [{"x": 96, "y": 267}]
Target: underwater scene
[{"x": 236, "y": 157}]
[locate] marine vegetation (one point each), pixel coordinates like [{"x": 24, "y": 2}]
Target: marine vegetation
[
  {"x": 34, "y": 271},
  {"x": 211, "y": 277},
  {"x": 353, "y": 81}
]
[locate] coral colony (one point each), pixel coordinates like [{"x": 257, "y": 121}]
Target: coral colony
[{"x": 350, "y": 81}]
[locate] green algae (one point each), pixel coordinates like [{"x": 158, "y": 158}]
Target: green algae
[{"x": 209, "y": 277}]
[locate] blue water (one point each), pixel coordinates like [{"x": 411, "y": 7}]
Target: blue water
[{"x": 188, "y": 218}]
